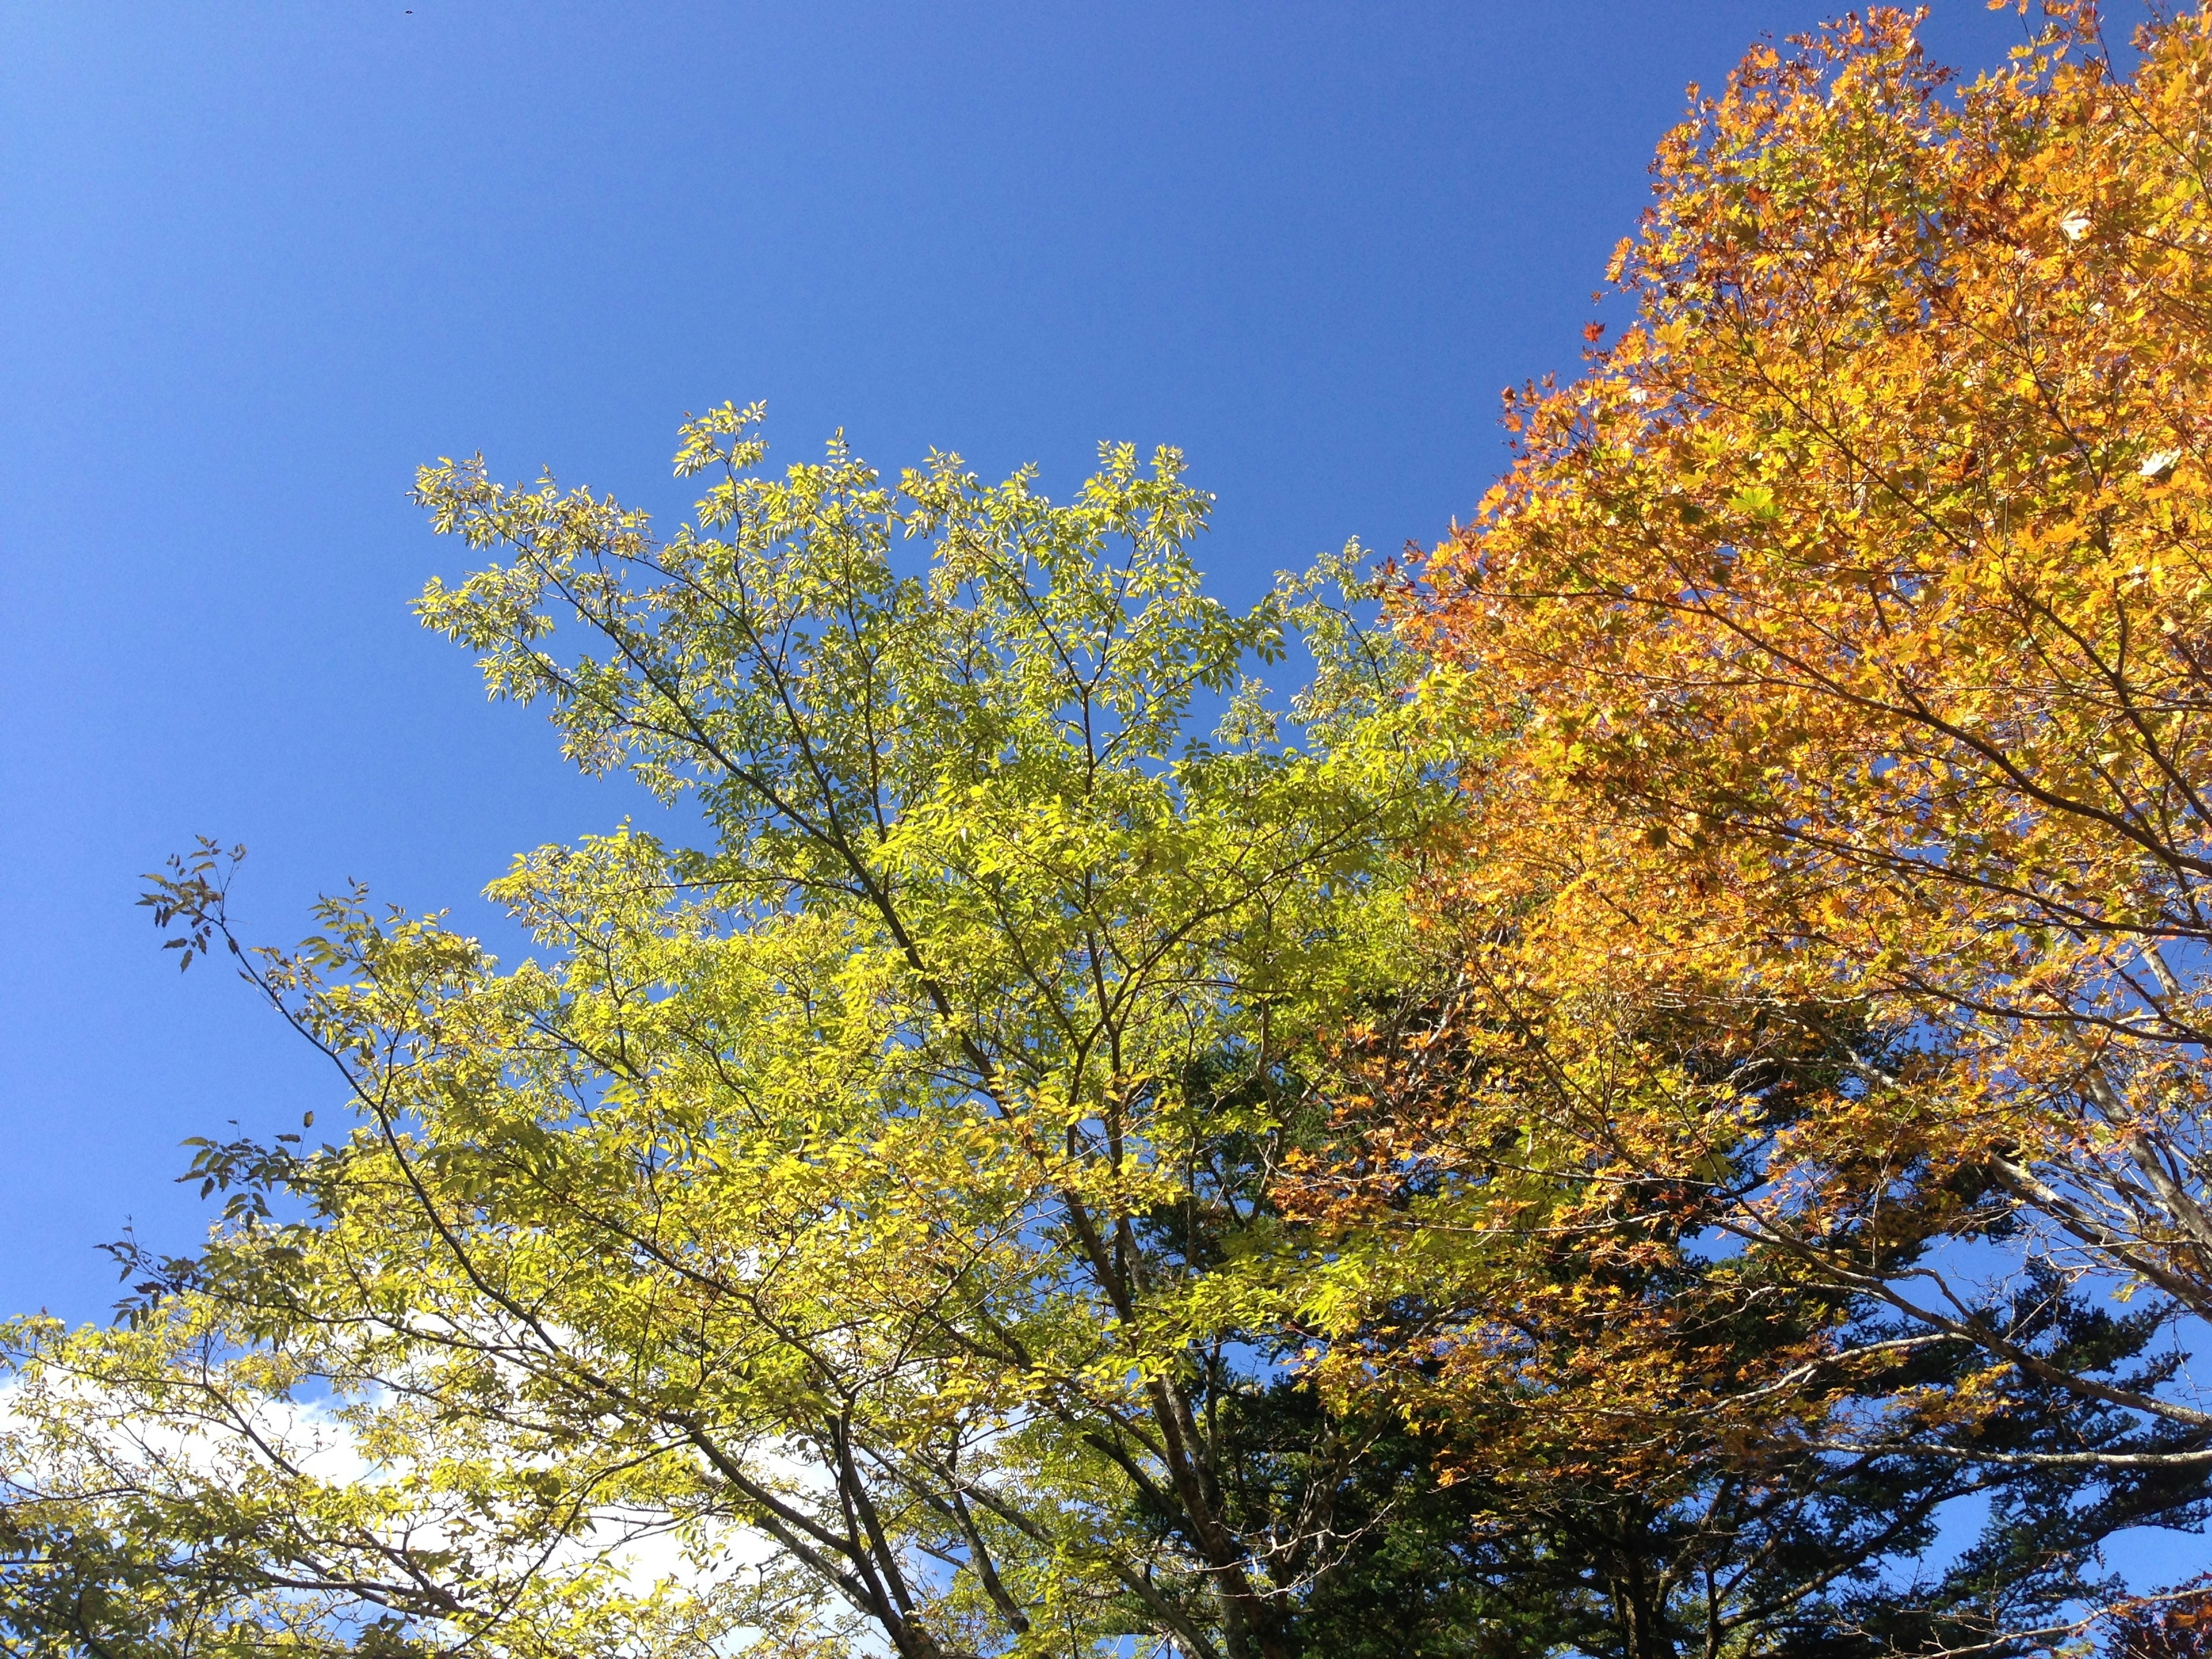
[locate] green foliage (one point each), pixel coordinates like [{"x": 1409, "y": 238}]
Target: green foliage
[{"x": 799, "y": 1251}]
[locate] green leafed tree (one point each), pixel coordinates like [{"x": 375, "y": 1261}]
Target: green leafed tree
[{"x": 819, "y": 1243}]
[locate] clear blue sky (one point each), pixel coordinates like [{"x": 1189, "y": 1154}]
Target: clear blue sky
[{"x": 261, "y": 259}]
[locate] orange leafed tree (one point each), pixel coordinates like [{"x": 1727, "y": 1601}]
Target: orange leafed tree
[
  {"x": 1837, "y": 885},
  {"x": 1846, "y": 631}
]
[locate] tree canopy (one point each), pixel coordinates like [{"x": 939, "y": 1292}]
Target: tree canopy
[
  {"x": 1656, "y": 1104},
  {"x": 832, "y": 1205},
  {"x": 1833, "y": 660}
]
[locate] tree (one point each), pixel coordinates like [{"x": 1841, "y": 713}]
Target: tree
[
  {"x": 1662, "y": 1437},
  {"x": 813, "y": 1247},
  {"x": 1833, "y": 668}
]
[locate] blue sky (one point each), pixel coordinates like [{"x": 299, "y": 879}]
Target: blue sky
[{"x": 263, "y": 259}]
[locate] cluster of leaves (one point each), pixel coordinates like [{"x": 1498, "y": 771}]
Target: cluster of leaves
[
  {"x": 1663, "y": 1434},
  {"x": 1830, "y": 1041},
  {"x": 1846, "y": 623},
  {"x": 833, "y": 1202}
]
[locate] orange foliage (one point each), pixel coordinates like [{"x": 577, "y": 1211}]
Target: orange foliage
[
  {"x": 1838, "y": 655},
  {"x": 1847, "y": 630}
]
